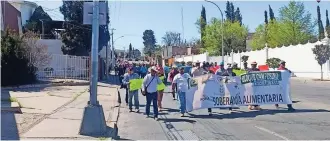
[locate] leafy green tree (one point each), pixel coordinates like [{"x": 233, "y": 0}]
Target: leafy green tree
[
  {"x": 171, "y": 39},
  {"x": 320, "y": 24},
  {"x": 273, "y": 62},
  {"x": 322, "y": 55},
  {"x": 271, "y": 13},
  {"x": 77, "y": 38},
  {"x": 39, "y": 21},
  {"x": 299, "y": 26},
  {"x": 234, "y": 35},
  {"x": 149, "y": 42},
  {"x": 15, "y": 66}
]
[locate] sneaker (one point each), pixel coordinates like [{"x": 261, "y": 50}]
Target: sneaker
[
  {"x": 210, "y": 113},
  {"x": 257, "y": 108},
  {"x": 182, "y": 115},
  {"x": 138, "y": 111},
  {"x": 147, "y": 116},
  {"x": 276, "y": 106},
  {"x": 291, "y": 109},
  {"x": 230, "y": 111},
  {"x": 250, "y": 107},
  {"x": 130, "y": 110}
]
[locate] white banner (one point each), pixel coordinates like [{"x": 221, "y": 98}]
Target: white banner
[{"x": 256, "y": 88}]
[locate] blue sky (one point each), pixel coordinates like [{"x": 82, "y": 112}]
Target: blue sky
[{"x": 131, "y": 18}]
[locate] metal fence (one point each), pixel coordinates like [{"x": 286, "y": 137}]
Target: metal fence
[{"x": 64, "y": 67}]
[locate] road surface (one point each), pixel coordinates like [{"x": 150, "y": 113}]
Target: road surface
[{"x": 310, "y": 121}]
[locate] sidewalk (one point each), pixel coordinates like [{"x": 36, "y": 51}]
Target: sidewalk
[{"x": 57, "y": 114}]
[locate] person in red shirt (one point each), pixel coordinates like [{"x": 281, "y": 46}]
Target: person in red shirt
[{"x": 282, "y": 67}]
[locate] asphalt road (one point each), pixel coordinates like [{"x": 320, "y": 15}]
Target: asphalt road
[{"x": 310, "y": 121}]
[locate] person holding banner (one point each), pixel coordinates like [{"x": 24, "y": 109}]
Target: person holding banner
[
  {"x": 253, "y": 69},
  {"x": 149, "y": 85},
  {"x": 282, "y": 67},
  {"x": 133, "y": 93},
  {"x": 180, "y": 81}
]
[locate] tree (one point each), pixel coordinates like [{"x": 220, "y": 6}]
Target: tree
[
  {"x": 104, "y": 34},
  {"x": 297, "y": 21},
  {"x": 234, "y": 35},
  {"x": 271, "y": 14},
  {"x": 15, "y": 66},
  {"x": 38, "y": 22},
  {"x": 202, "y": 25},
  {"x": 238, "y": 16},
  {"x": 76, "y": 36},
  {"x": 230, "y": 14},
  {"x": 273, "y": 62},
  {"x": 327, "y": 24},
  {"x": 322, "y": 55},
  {"x": 149, "y": 42},
  {"x": 38, "y": 55},
  {"x": 171, "y": 39},
  {"x": 266, "y": 17},
  {"x": 320, "y": 24},
  {"x": 130, "y": 50}
]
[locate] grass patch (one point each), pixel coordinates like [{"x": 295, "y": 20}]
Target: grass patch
[{"x": 13, "y": 99}]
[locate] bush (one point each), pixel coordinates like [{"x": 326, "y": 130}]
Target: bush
[
  {"x": 273, "y": 62},
  {"x": 16, "y": 68}
]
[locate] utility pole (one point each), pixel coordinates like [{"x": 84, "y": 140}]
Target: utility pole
[
  {"x": 43, "y": 31},
  {"x": 107, "y": 52},
  {"x": 113, "y": 49},
  {"x": 93, "y": 121}
]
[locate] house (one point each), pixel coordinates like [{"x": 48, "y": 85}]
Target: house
[
  {"x": 25, "y": 7},
  {"x": 10, "y": 17},
  {"x": 170, "y": 51}
]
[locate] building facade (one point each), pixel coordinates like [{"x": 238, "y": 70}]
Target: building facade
[
  {"x": 25, "y": 7},
  {"x": 10, "y": 17}
]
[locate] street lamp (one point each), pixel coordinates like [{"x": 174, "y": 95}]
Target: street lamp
[{"x": 222, "y": 27}]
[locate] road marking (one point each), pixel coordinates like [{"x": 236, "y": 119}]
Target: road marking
[{"x": 271, "y": 132}]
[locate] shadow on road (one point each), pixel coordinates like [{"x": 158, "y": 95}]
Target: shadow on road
[
  {"x": 9, "y": 129},
  {"x": 170, "y": 110},
  {"x": 249, "y": 114},
  {"x": 177, "y": 120}
]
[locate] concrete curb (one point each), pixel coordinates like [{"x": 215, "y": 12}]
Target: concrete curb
[
  {"x": 45, "y": 85},
  {"x": 114, "y": 116}
]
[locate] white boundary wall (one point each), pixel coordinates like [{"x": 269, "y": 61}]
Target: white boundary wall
[{"x": 300, "y": 59}]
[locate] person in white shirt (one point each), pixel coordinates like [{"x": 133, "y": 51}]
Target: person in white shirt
[
  {"x": 197, "y": 70},
  {"x": 181, "y": 82},
  {"x": 149, "y": 86}
]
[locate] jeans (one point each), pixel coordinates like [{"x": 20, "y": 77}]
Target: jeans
[
  {"x": 134, "y": 94},
  {"x": 126, "y": 95},
  {"x": 182, "y": 98},
  {"x": 152, "y": 97}
]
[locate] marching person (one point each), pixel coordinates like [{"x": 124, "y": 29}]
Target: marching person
[
  {"x": 282, "y": 67},
  {"x": 173, "y": 73},
  {"x": 253, "y": 69},
  {"x": 132, "y": 94},
  {"x": 160, "y": 91},
  {"x": 149, "y": 85},
  {"x": 197, "y": 70},
  {"x": 180, "y": 81}
]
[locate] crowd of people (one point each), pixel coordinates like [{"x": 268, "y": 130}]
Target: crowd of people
[{"x": 178, "y": 77}]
